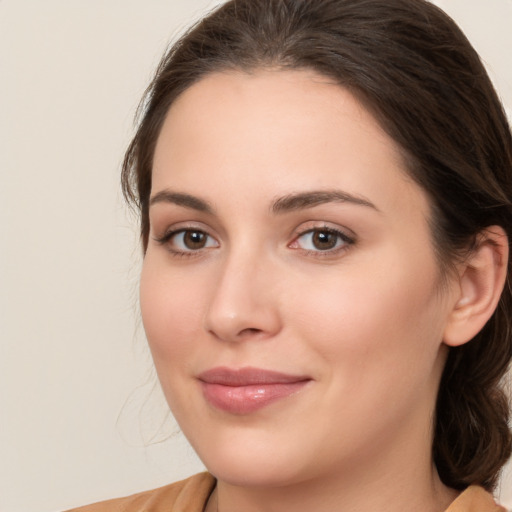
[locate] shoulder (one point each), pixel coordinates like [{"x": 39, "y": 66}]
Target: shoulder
[
  {"x": 475, "y": 499},
  {"x": 188, "y": 495}
]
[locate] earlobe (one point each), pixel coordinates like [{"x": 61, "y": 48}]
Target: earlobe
[{"x": 481, "y": 280}]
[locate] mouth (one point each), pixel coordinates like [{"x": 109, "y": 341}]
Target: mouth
[{"x": 245, "y": 390}]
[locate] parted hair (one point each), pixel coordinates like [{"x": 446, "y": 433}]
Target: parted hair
[{"x": 414, "y": 69}]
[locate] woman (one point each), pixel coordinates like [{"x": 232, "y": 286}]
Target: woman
[{"x": 324, "y": 189}]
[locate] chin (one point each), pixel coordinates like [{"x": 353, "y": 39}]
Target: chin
[
  {"x": 250, "y": 473},
  {"x": 251, "y": 460}
]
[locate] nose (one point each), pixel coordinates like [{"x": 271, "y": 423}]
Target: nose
[{"x": 244, "y": 303}]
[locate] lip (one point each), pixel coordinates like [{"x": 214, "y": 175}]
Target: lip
[{"x": 246, "y": 390}]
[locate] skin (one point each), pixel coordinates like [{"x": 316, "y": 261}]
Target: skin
[{"x": 364, "y": 320}]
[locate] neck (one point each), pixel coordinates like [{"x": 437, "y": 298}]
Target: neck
[
  {"x": 328, "y": 498},
  {"x": 333, "y": 495}
]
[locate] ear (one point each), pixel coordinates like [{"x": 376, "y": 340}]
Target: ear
[{"x": 481, "y": 280}]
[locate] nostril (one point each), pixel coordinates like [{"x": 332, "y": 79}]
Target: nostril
[
  {"x": 234, "y": 315},
  {"x": 249, "y": 331}
]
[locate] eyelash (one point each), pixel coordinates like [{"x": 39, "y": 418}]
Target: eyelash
[
  {"x": 346, "y": 240},
  {"x": 169, "y": 235}
]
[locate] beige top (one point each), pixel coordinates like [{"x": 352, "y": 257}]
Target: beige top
[{"x": 191, "y": 495}]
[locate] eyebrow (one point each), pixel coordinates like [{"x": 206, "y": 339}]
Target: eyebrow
[
  {"x": 180, "y": 199},
  {"x": 288, "y": 203},
  {"x": 303, "y": 200}
]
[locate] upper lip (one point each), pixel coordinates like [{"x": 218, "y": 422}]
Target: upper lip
[{"x": 247, "y": 376}]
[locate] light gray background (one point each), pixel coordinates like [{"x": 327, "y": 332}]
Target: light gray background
[{"x": 80, "y": 415}]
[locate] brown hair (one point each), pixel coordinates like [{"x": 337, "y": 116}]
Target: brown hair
[{"x": 414, "y": 69}]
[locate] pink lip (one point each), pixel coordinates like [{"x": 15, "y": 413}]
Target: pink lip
[{"x": 245, "y": 390}]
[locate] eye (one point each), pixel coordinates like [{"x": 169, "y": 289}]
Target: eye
[
  {"x": 321, "y": 240},
  {"x": 187, "y": 241}
]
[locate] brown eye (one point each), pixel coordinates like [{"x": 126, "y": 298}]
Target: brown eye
[
  {"x": 194, "y": 240},
  {"x": 188, "y": 241},
  {"x": 324, "y": 240}
]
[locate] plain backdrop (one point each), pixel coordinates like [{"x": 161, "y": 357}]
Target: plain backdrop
[{"x": 81, "y": 415}]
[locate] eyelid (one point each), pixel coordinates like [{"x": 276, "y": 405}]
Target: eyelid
[
  {"x": 345, "y": 235},
  {"x": 176, "y": 229}
]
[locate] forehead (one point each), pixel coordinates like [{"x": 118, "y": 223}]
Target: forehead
[
  {"x": 272, "y": 131},
  {"x": 271, "y": 102}
]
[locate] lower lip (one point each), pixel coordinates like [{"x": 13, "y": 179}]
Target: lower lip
[{"x": 250, "y": 398}]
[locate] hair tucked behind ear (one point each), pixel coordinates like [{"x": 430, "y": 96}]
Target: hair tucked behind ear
[
  {"x": 472, "y": 437},
  {"x": 417, "y": 73}
]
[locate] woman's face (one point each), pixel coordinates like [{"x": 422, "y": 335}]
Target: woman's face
[{"x": 290, "y": 292}]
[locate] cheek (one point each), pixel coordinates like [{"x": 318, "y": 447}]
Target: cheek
[
  {"x": 171, "y": 312},
  {"x": 380, "y": 319},
  {"x": 376, "y": 341}
]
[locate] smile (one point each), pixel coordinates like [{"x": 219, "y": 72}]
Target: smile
[{"x": 245, "y": 390}]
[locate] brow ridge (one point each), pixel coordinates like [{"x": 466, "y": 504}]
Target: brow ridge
[
  {"x": 181, "y": 199},
  {"x": 287, "y": 203},
  {"x": 310, "y": 199}
]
